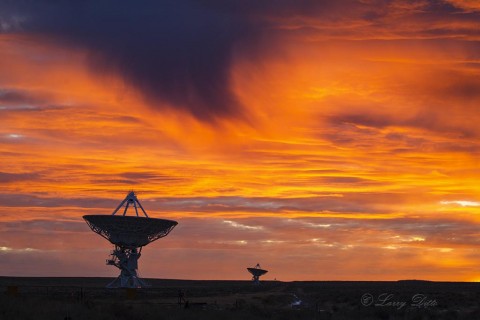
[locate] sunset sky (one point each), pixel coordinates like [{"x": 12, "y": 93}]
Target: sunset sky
[{"x": 326, "y": 140}]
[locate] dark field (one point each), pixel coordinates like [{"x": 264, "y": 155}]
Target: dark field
[{"x": 86, "y": 298}]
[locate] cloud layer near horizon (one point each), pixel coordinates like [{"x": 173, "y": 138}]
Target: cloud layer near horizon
[{"x": 312, "y": 133}]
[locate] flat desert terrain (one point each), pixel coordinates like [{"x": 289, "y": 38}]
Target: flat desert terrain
[{"x": 87, "y": 298}]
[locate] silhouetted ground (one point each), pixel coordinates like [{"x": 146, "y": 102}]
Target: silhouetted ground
[{"x": 86, "y": 298}]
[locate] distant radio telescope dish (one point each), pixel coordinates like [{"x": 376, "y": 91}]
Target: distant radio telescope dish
[
  {"x": 257, "y": 272},
  {"x": 129, "y": 234}
]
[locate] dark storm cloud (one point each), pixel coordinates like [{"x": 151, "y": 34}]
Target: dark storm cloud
[{"x": 179, "y": 52}]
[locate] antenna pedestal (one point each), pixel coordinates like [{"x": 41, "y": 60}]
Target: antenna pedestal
[
  {"x": 127, "y": 261},
  {"x": 124, "y": 281}
]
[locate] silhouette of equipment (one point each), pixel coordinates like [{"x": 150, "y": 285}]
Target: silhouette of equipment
[
  {"x": 129, "y": 234},
  {"x": 257, "y": 272}
]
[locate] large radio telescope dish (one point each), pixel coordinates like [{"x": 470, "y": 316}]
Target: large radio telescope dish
[
  {"x": 129, "y": 234},
  {"x": 257, "y": 272}
]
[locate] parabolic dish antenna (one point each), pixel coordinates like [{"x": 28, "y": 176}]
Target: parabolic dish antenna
[
  {"x": 129, "y": 234},
  {"x": 257, "y": 272}
]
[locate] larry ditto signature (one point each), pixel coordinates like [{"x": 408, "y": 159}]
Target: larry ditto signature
[{"x": 419, "y": 300}]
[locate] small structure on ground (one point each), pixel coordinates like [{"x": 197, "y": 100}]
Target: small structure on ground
[{"x": 257, "y": 272}]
